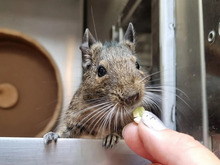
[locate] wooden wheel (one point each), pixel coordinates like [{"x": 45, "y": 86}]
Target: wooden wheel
[{"x": 30, "y": 87}]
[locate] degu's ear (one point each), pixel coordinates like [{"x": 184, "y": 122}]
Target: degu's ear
[
  {"x": 129, "y": 37},
  {"x": 130, "y": 34},
  {"x": 88, "y": 41}
]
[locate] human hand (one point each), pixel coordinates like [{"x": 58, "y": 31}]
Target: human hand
[{"x": 151, "y": 140}]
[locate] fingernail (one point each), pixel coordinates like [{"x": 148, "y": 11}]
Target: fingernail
[{"x": 152, "y": 121}]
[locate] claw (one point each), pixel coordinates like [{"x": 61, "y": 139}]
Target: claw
[
  {"x": 110, "y": 140},
  {"x": 49, "y": 137}
]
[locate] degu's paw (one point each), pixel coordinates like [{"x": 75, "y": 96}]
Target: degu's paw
[
  {"x": 110, "y": 140},
  {"x": 50, "y": 136}
]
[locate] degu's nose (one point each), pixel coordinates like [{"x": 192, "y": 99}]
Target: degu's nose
[{"x": 131, "y": 98}]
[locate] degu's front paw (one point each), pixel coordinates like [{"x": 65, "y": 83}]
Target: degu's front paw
[
  {"x": 110, "y": 140},
  {"x": 50, "y": 136}
]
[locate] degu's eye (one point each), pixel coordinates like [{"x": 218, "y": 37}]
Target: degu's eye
[
  {"x": 101, "y": 71},
  {"x": 137, "y": 65}
]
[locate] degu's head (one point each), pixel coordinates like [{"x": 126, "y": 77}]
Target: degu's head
[{"x": 111, "y": 72}]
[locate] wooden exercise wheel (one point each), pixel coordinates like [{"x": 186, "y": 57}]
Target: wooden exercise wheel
[{"x": 30, "y": 87}]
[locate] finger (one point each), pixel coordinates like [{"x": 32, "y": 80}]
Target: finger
[
  {"x": 163, "y": 146},
  {"x": 132, "y": 139},
  {"x": 170, "y": 147}
]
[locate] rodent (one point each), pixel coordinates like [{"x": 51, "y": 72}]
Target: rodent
[{"x": 113, "y": 85}]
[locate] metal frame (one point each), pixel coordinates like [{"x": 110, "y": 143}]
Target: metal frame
[
  {"x": 167, "y": 61},
  {"x": 31, "y": 151},
  {"x": 191, "y": 71}
]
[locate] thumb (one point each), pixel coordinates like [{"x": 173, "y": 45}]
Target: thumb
[{"x": 164, "y": 146}]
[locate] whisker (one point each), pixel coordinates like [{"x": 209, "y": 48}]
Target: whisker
[
  {"x": 184, "y": 101},
  {"x": 89, "y": 108},
  {"x": 102, "y": 125},
  {"x": 152, "y": 74},
  {"x": 93, "y": 113},
  {"x": 93, "y": 21},
  {"x": 162, "y": 89},
  {"x": 154, "y": 80},
  {"x": 89, "y": 117},
  {"x": 111, "y": 116},
  {"x": 105, "y": 121},
  {"x": 152, "y": 99},
  {"x": 121, "y": 117},
  {"x": 100, "y": 116},
  {"x": 116, "y": 121},
  {"x": 108, "y": 118},
  {"x": 129, "y": 114}
]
